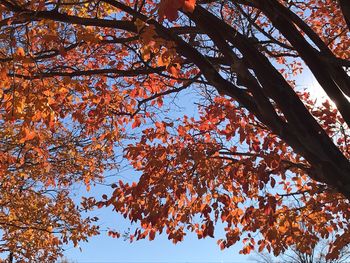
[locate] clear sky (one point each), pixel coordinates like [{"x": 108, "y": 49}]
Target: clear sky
[{"x": 106, "y": 249}]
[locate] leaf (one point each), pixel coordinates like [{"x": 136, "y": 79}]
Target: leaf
[
  {"x": 189, "y": 5},
  {"x": 169, "y": 9},
  {"x": 272, "y": 182},
  {"x": 28, "y": 135},
  {"x": 136, "y": 123},
  {"x": 152, "y": 234},
  {"x": 20, "y": 52}
]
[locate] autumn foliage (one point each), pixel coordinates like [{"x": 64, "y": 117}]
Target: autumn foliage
[{"x": 83, "y": 81}]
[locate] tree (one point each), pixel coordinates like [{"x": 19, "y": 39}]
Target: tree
[
  {"x": 317, "y": 255},
  {"x": 78, "y": 77}
]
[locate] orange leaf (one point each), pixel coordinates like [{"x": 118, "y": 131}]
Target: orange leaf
[
  {"x": 20, "y": 52},
  {"x": 28, "y": 135},
  {"x": 189, "y": 5}
]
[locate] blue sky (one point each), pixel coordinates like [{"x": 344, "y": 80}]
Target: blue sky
[
  {"x": 106, "y": 249},
  {"x": 103, "y": 248}
]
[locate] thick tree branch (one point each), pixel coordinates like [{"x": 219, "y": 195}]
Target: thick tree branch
[
  {"x": 345, "y": 8},
  {"x": 306, "y": 129}
]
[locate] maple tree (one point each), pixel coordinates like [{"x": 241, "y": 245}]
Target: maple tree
[{"x": 79, "y": 77}]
